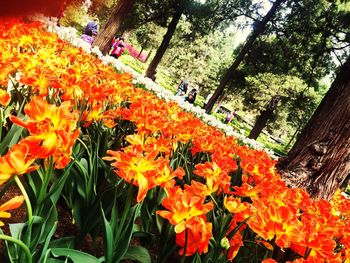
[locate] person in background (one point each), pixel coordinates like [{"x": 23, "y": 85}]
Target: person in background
[
  {"x": 182, "y": 89},
  {"x": 89, "y": 36},
  {"x": 117, "y": 48},
  {"x": 92, "y": 26},
  {"x": 207, "y": 100},
  {"x": 115, "y": 39},
  {"x": 191, "y": 97},
  {"x": 228, "y": 117}
]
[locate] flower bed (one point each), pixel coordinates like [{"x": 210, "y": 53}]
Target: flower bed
[
  {"x": 139, "y": 171},
  {"x": 70, "y": 34}
]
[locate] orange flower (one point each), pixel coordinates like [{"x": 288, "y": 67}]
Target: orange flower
[
  {"x": 53, "y": 129},
  {"x": 216, "y": 179},
  {"x": 320, "y": 227},
  {"x": 4, "y": 98},
  {"x": 205, "y": 143},
  {"x": 235, "y": 244},
  {"x": 269, "y": 260},
  {"x": 279, "y": 222},
  {"x": 198, "y": 188},
  {"x": 165, "y": 176},
  {"x": 234, "y": 205},
  {"x": 134, "y": 168},
  {"x": 198, "y": 236},
  {"x": 16, "y": 162},
  {"x": 183, "y": 206},
  {"x": 246, "y": 190},
  {"x": 93, "y": 114},
  {"x": 12, "y": 204}
]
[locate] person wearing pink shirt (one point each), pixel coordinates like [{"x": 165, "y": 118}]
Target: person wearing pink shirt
[{"x": 117, "y": 48}]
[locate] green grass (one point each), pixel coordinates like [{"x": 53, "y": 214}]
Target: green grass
[{"x": 133, "y": 63}]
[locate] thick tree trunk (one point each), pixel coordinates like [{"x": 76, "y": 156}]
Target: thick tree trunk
[
  {"x": 320, "y": 159},
  {"x": 263, "y": 118},
  {"x": 258, "y": 29},
  {"x": 104, "y": 39},
  {"x": 151, "y": 70}
]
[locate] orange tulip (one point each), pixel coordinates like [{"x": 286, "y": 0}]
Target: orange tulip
[
  {"x": 16, "y": 162},
  {"x": 53, "y": 129},
  {"x": 273, "y": 221},
  {"x": 198, "y": 233},
  {"x": 134, "y": 168},
  {"x": 12, "y": 204},
  {"x": 216, "y": 179},
  {"x": 4, "y": 98},
  {"x": 183, "y": 206}
]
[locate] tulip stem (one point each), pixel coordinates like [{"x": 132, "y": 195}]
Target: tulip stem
[
  {"x": 19, "y": 243},
  {"x": 26, "y": 198}
]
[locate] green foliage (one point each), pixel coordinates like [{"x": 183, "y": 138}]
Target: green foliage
[
  {"x": 75, "y": 16},
  {"x": 295, "y": 98},
  {"x": 200, "y": 61}
]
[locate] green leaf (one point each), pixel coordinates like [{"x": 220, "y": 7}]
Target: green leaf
[
  {"x": 56, "y": 188},
  {"x": 108, "y": 238},
  {"x": 75, "y": 255},
  {"x": 64, "y": 242},
  {"x": 11, "y": 249},
  {"x": 53, "y": 260},
  {"x": 16, "y": 229},
  {"x": 47, "y": 240},
  {"x": 11, "y": 138},
  {"x": 196, "y": 259},
  {"x": 160, "y": 223},
  {"x": 139, "y": 254},
  {"x": 125, "y": 238}
]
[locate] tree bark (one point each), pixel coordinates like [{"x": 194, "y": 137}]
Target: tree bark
[
  {"x": 258, "y": 29},
  {"x": 320, "y": 159},
  {"x": 140, "y": 52},
  {"x": 151, "y": 70},
  {"x": 104, "y": 39},
  {"x": 263, "y": 118}
]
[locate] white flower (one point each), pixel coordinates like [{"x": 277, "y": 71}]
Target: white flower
[{"x": 70, "y": 34}]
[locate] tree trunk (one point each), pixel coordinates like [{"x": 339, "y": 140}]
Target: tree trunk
[
  {"x": 258, "y": 29},
  {"x": 151, "y": 70},
  {"x": 263, "y": 118},
  {"x": 320, "y": 159},
  {"x": 140, "y": 52},
  {"x": 148, "y": 55},
  {"x": 104, "y": 39}
]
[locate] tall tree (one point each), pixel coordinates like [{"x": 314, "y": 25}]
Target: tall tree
[
  {"x": 320, "y": 159},
  {"x": 258, "y": 29},
  {"x": 204, "y": 17},
  {"x": 120, "y": 11},
  {"x": 151, "y": 70},
  {"x": 264, "y": 117},
  {"x": 304, "y": 32}
]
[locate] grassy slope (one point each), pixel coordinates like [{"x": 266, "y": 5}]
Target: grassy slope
[{"x": 165, "y": 80}]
